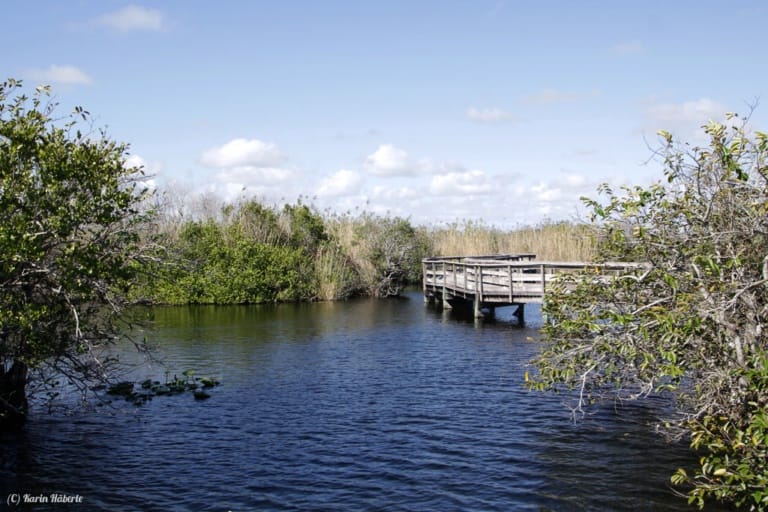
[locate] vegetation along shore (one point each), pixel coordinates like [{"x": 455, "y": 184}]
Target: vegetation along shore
[{"x": 84, "y": 237}]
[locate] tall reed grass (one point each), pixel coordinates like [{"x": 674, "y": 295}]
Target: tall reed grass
[
  {"x": 550, "y": 241},
  {"x": 335, "y": 273},
  {"x": 350, "y": 253}
]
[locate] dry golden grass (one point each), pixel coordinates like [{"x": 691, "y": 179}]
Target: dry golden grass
[
  {"x": 335, "y": 274},
  {"x": 549, "y": 241}
]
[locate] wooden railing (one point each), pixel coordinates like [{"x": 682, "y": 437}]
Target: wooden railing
[{"x": 498, "y": 280}]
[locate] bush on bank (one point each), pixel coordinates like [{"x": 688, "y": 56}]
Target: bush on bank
[
  {"x": 692, "y": 323},
  {"x": 250, "y": 253}
]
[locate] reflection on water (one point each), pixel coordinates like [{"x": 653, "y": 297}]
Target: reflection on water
[{"x": 360, "y": 405}]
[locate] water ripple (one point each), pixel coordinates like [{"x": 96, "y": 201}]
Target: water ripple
[{"x": 370, "y": 406}]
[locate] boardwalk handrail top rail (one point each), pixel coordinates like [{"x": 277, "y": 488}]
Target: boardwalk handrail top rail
[
  {"x": 528, "y": 261},
  {"x": 501, "y": 280},
  {"x": 490, "y": 259}
]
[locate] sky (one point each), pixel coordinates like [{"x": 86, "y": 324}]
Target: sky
[{"x": 499, "y": 111}]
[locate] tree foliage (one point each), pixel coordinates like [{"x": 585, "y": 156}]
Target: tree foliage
[
  {"x": 70, "y": 245},
  {"x": 690, "y": 323},
  {"x": 252, "y": 253},
  {"x": 393, "y": 251},
  {"x": 213, "y": 263}
]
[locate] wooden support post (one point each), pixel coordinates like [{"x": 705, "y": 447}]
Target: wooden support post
[
  {"x": 446, "y": 299},
  {"x": 477, "y": 307},
  {"x": 520, "y": 314}
]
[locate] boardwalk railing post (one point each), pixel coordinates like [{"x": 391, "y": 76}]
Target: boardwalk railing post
[
  {"x": 471, "y": 288},
  {"x": 478, "y": 291},
  {"x": 446, "y": 295}
]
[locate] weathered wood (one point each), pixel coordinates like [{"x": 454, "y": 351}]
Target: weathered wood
[{"x": 501, "y": 280}]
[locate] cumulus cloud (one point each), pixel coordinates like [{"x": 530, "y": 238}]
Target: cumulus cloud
[
  {"x": 474, "y": 182},
  {"x": 388, "y": 160},
  {"x": 568, "y": 185},
  {"x": 684, "y": 119},
  {"x": 249, "y": 166},
  {"x": 546, "y": 192},
  {"x": 573, "y": 180},
  {"x": 56, "y": 74},
  {"x": 384, "y": 193},
  {"x": 489, "y": 115},
  {"x": 242, "y": 153},
  {"x": 149, "y": 168},
  {"x": 136, "y": 161},
  {"x": 557, "y": 197},
  {"x": 429, "y": 166},
  {"x": 341, "y": 183},
  {"x": 267, "y": 182},
  {"x": 699, "y": 111},
  {"x": 132, "y": 17}
]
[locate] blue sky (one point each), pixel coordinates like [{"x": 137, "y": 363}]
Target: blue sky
[{"x": 505, "y": 111}]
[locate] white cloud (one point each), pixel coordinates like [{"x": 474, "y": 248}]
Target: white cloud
[
  {"x": 684, "y": 120},
  {"x": 267, "y": 183},
  {"x": 60, "y": 75},
  {"x": 568, "y": 186},
  {"x": 489, "y": 115},
  {"x": 135, "y": 161},
  {"x": 388, "y": 160},
  {"x": 546, "y": 192},
  {"x": 391, "y": 161},
  {"x": 573, "y": 180},
  {"x": 381, "y": 192},
  {"x": 474, "y": 182},
  {"x": 429, "y": 166},
  {"x": 342, "y": 183},
  {"x": 138, "y": 161},
  {"x": 242, "y": 153},
  {"x": 628, "y": 48},
  {"x": 250, "y": 167},
  {"x": 699, "y": 111},
  {"x": 133, "y": 17}
]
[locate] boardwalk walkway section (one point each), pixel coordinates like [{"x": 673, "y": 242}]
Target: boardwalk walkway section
[{"x": 488, "y": 282}]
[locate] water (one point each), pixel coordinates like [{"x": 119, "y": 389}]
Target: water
[{"x": 363, "y": 405}]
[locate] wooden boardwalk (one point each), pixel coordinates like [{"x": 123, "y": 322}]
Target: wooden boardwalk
[{"x": 488, "y": 282}]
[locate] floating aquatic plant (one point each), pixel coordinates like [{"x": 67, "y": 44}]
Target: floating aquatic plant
[{"x": 140, "y": 392}]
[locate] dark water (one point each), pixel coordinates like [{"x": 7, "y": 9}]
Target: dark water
[{"x": 366, "y": 405}]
